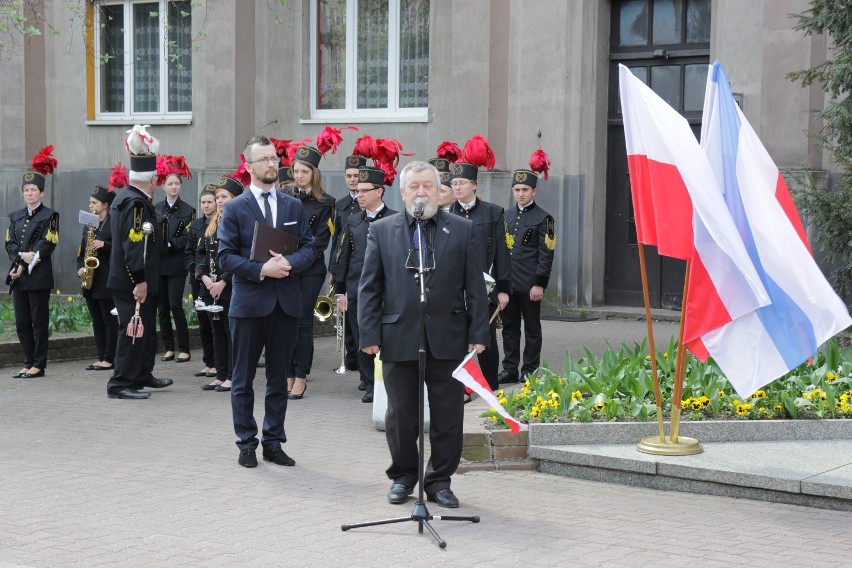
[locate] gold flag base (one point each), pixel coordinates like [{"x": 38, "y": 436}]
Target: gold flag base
[{"x": 683, "y": 447}]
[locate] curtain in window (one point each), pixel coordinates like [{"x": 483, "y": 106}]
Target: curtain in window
[
  {"x": 331, "y": 52},
  {"x": 414, "y": 54},
  {"x": 146, "y": 54},
  {"x": 180, "y": 57},
  {"x": 112, "y": 58},
  {"x": 372, "y": 62}
]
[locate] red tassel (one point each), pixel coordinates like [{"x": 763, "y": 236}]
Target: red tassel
[
  {"x": 330, "y": 138},
  {"x": 387, "y": 151},
  {"x": 44, "y": 162},
  {"x": 118, "y": 177},
  {"x": 287, "y": 160},
  {"x": 363, "y": 146},
  {"x": 540, "y": 162},
  {"x": 280, "y": 146},
  {"x": 478, "y": 152},
  {"x": 241, "y": 173},
  {"x": 450, "y": 151}
]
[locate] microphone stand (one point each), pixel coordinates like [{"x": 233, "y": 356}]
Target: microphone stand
[{"x": 421, "y": 514}]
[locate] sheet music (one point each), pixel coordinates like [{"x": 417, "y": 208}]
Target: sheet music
[{"x": 86, "y": 218}]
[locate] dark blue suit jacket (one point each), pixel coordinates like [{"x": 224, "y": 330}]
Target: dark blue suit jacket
[{"x": 252, "y": 297}]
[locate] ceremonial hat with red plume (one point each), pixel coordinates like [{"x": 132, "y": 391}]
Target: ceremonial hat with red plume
[
  {"x": 43, "y": 164},
  {"x": 476, "y": 154},
  {"x": 539, "y": 164}
]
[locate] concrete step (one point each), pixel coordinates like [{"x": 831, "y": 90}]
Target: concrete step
[{"x": 813, "y": 473}]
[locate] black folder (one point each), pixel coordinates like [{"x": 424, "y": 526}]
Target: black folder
[{"x": 267, "y": 237}]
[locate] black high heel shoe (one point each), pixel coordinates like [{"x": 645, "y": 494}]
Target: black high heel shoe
[
  {"x": 294, "y": 396},
  {"x": 32, "y": 375}
]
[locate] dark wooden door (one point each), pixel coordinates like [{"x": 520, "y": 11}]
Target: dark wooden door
[{"x": 666, "y": 44}]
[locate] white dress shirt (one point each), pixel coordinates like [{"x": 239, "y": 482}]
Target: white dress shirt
[{"x": 273, "y": 200}]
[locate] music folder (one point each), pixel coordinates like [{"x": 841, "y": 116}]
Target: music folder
[{"x": 267, "y": 237}]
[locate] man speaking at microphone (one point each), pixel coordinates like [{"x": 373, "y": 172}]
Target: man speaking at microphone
[{"x": 455, "y": 322}]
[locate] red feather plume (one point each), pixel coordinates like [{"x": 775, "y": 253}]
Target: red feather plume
[
  {"x": 330, "y": 138},
  {"x": 241, "y": 173},
  {"x": 44, "y": 162},
  {"x": 387, "y": 151},
  {"x": 450, "y": 151},
  {"x": 390, "y": 172},
  {"x": 363, "y": 146},
  {"x": 540, "y": 162},
  {"x": 287, "y": 160},
  {"x": 280, "y": 146},
  {"x": 118, "y": 177},
  {"x": 478, "y": 152}
]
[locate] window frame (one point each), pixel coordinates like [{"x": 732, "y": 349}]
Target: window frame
[
  {"x": 160, "y": 117},
  {"x": 393, "y": 113}
]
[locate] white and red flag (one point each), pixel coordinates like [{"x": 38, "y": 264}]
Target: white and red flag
[{"x": 469, "y": 374}]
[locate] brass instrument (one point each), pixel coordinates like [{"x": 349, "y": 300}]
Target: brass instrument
[
  {"x": 324, "y": 307},
  {"x": 340, "y": 328},
  {"x": 90, "y": 261}
]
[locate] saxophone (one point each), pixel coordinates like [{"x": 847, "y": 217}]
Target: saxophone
[{"x": 90, "y": 261}]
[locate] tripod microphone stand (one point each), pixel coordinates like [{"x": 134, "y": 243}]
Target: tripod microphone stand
[{"x": 421, "y": 514}]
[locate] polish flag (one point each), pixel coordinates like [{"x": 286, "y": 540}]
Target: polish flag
[
  {"x": 469, "y": 374},
  {"x": 678, "y": 208},
  {"x": 760, "y": 346}
]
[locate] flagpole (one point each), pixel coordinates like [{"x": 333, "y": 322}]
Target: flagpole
[
  {"x": 651, "y": 347},
  {"x": 680, "y": 366}
]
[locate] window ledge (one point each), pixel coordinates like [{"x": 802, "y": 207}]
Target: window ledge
[
  {"x": 363, "y": 119},
  {"x": 141, "y": 120}
]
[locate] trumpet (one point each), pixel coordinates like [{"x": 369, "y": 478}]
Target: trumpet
[
  {"x": 324, "y": 307},
  {"x": 340, "y": 328},
  {"x": 90, "y": 262}
]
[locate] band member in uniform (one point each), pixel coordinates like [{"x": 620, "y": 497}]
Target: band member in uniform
[
  {"x": 217, "y": 286},
  {"x": 350, "y": 260},
  {"x": 455, "y": 321},
  {"x": 448, "y": 153},
  {"x": 489, "y": 225},
  {"x": 178, "y": 216},
  {"x": 266, "y": 300},
  {"x": 97, "y": 244},
  {"x": 319, "y": 208},
  {"x": 207, "y": 203},
  {"x": 30, "y": 241},
  {"x": 134, "y": 272},
  {"x": 532, "y": 239}
]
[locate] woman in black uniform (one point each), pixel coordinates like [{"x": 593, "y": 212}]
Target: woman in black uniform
[
  {"x": 30, "y": 241},
  {"x": 207, "y": 202},
  {"x": 217, "y": 287},
  {"x": 320, "y": 211},
  {"x": 178, "y": 216},
  {"x": 97, "y": 244}
]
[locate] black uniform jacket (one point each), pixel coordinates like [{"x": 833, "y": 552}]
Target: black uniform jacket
[
  {"x": 129, "y": 263},
  {"x": 321, "y": 220},
  {"x": 489, "y": 235},
  {"x": 207, "y": 264},
  {"x": 174, "y": 236},
  {"x": 344, "y": 207},
  {"x": 38, "y": 232},
  {"x": 533, "y": 240},
  {"x": 99, "y": 290},
  {"x": 196, "y": 233},
  {"x": 389, "y": 294},
  {"x": 349, "y": 258}
]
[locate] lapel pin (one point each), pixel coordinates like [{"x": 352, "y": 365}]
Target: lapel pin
[{"x": 446, "y": 230}]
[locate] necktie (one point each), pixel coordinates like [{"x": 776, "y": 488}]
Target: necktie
[
  {"x": 267, "y": 209},
  {"x": 421, "y": 250}
]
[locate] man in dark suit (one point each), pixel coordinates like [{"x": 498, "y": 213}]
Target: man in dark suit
[
  {"x": 265, "y": 302},
  {"x": 455, "y": 321},
  {"x": 350, "y": 261},
  {"x": 134, "y": 276}
]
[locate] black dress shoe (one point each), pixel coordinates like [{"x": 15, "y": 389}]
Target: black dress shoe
[
  {"x": 247, "y": 458},
  {"x": 208, "y": 387},
  {"x": 129, "y": 393},
  {"x": 506, "y": 377},
  {"x": 444, "y": 498},
  {"x": 102, "y": 368},
  {"x": 91, "y": 367},
  {"x": 399, "y": 493},
  {"x": 220, "y": 388},
  {"x": 200, "y": 374},
  {"x": 277, "y": 455},
  {"x": 184, "y": 359},
  {"x": 32, "y": 375},
  {"x": 19, "y": 375},
  {"x": 368, "y": 396},
  {"x": 156, "y": 383},
  {"x": 168, "y": 357},
  {"x": 362, "y": 386}
]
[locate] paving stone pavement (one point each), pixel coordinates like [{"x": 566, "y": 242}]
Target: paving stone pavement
[{"x": 88, "y": 481}]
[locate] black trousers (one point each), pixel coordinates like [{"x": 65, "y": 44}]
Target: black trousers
[
  {"x": 134, "y": 360},
  {"x": 303, "y": 354},
  {"x": 32, "y": 319},
  {"x": 205, "y": 331},
  {"x": 104, "y": 327},
  {"x": 446, "y": 411},
  {"x": 489, "y": 360},
  {"x": 171, "y": 301},
  {"x": 366, "y": 363},
  {"x": 276, "y": 332},
  {"x": 222, "y": 349},
  {"x": 520, "y": 306}
]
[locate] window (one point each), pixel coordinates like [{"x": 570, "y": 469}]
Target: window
[
  {"x": 142, "y": 60},
  {"x": 370, "y": 60}
]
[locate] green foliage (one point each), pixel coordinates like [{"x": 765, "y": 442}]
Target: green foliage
[
  {"x": 619, "y": 385},
  {"x": 831, "y": 212}
]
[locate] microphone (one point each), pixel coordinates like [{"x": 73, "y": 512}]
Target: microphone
[{"x": 419, "y": 206}]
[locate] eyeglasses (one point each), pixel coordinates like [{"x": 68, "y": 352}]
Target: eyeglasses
[
  {"x": 460, "y": 182},
  {"x": 267, "y": 160},
  {"x": 365, "y": 191}
]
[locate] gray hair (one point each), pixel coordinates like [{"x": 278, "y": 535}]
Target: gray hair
[
  {"x": 415, "y": 167},
  {"x": 140, "y": 177}
]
